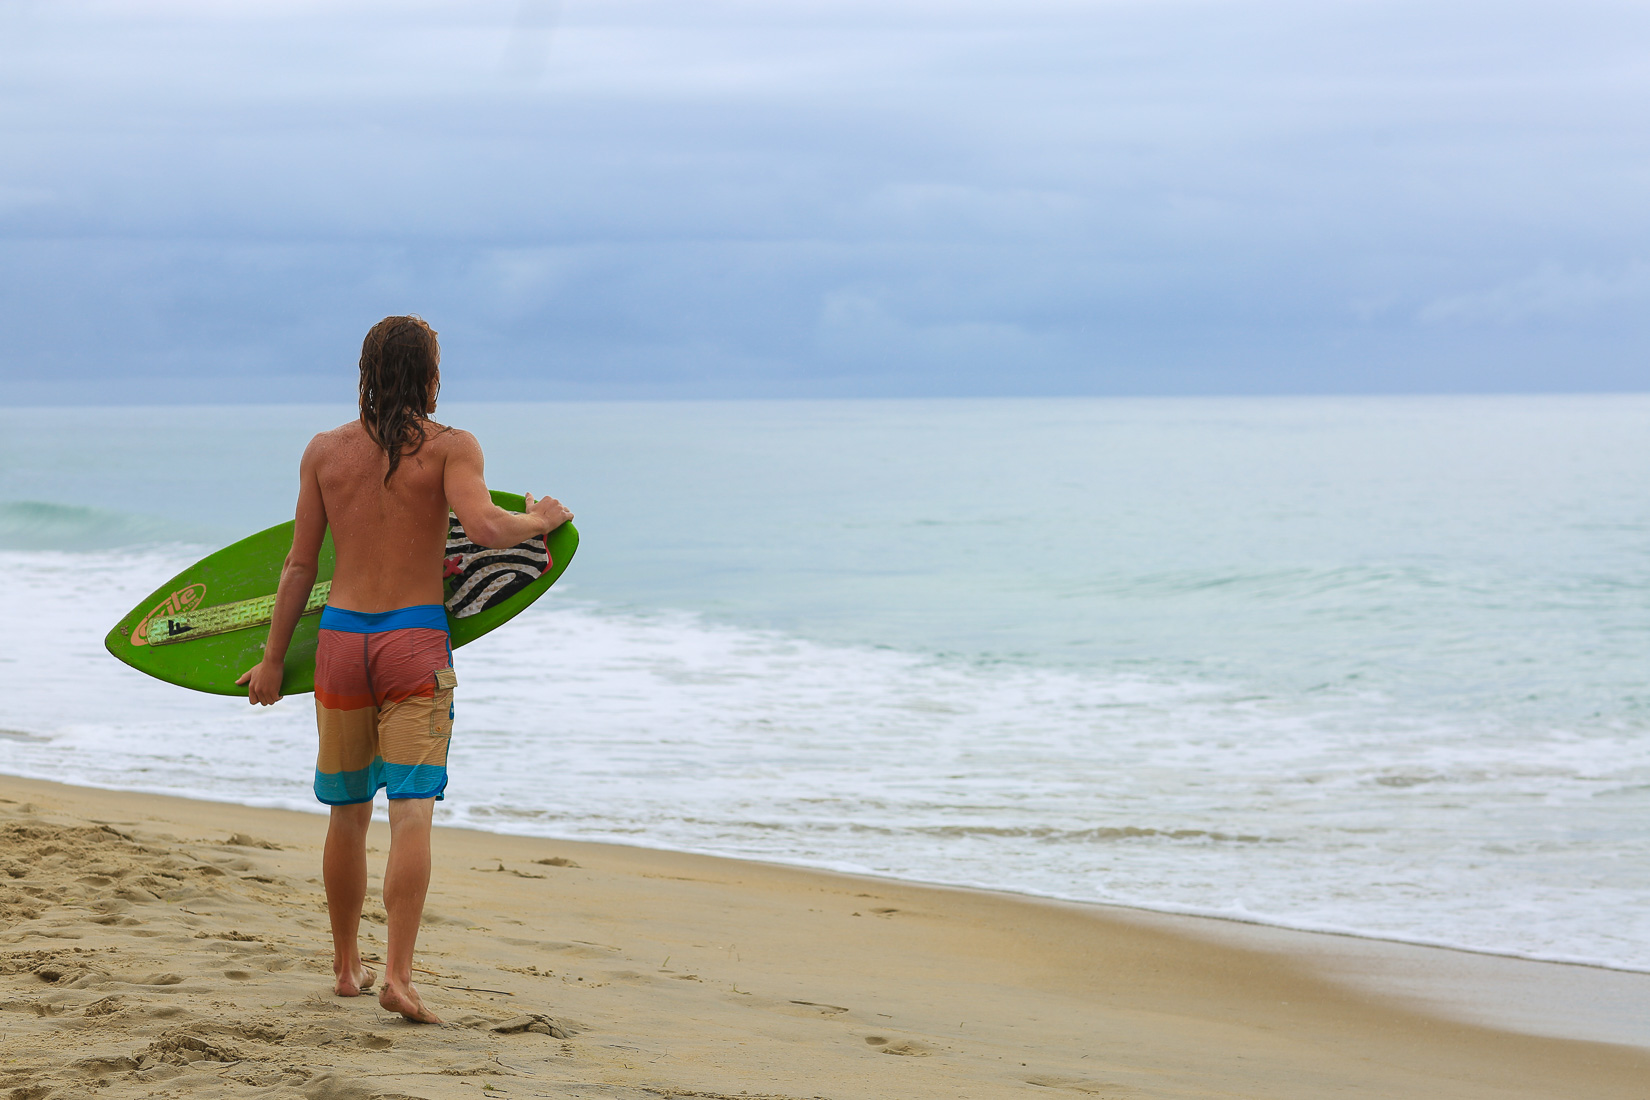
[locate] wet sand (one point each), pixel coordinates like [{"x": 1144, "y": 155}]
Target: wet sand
[{"x": 154, "y": 947}]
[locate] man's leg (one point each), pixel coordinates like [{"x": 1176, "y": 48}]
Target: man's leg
[
  {"x": 344, "y": 869},
  {"x": 406, "y": 881}
]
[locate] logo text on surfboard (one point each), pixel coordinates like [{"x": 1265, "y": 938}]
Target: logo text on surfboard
[
  {"x": 204, "y": 622},
  {"x": 184, "y": 599}
]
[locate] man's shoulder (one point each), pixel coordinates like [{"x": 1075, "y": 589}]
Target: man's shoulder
[
  {"x": 333, "y": 438},
  {"x": 447, "y": 438}
]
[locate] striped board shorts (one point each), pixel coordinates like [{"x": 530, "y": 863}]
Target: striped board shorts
[{"x": 383, "y": 703}]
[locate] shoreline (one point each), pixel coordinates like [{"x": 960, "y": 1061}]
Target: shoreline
[
  {"x": 144, "y": 938},
  {"x": 1164, "y": 910}
]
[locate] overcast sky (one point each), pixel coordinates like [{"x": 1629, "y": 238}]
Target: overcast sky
[{"x": 659, "y": 198}]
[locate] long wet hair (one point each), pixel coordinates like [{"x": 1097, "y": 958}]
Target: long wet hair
[{"x": 399, "y": 359}]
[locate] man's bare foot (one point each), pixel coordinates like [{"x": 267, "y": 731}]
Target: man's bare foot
[
  {"x": 404, "y": 999},
  {"x": 354, "y": 985}
]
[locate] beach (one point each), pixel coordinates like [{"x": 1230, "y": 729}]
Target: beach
[{"x": 156, "y": 946}]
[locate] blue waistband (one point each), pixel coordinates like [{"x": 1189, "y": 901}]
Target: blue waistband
[{"x": 430, "y": 616}]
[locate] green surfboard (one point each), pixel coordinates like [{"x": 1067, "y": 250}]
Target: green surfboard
[{"x": 206, "y": 626}]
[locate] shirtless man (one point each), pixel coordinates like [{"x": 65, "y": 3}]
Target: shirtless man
[{"x": 383, "y": 670}]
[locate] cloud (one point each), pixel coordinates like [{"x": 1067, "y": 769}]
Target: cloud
[
  {"x": 1552, "y": 292},
  {"x": 23, "y": 199},
  {"x": 855, "y": 331}
]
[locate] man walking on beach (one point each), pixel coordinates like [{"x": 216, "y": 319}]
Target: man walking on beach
[{"x": 384, "y": 680}]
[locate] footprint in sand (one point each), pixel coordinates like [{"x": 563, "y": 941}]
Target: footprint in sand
[
  {"x": 106, "y": 1006},
  {"x": 1073, "y": 1084},
  {"x": 179, "y": 1048},
  {"x": 825, "y": 1009},
  {"x": 503, "y": 870},
  {"x": 241, "y": 840},
  {"x": 157, "y": 979},
  {"x": 909, "y": 1048}
]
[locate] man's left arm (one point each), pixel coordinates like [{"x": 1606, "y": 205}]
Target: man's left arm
[{"x": 263, "y": 679}]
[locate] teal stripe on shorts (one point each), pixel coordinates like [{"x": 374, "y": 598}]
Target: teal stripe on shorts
[
  {"x": 363, "y": 785},
  {"x": 348, "y": 788}
]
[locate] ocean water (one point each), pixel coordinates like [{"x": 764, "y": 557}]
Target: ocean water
[{"x": 1374, "y": 665}]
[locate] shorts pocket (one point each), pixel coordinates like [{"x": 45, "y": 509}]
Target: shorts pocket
[{"x": 441, "y": 706}]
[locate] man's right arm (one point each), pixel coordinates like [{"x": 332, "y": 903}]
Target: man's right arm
[
  {"x": 263, "y": 680},
  {"x": 485, "y": 522}
]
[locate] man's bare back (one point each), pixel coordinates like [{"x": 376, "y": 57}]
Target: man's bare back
[{"x": 389, "y": 539}]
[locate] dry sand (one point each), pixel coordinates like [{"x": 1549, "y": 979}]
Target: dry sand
[{"x": 160, "y": 947}]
